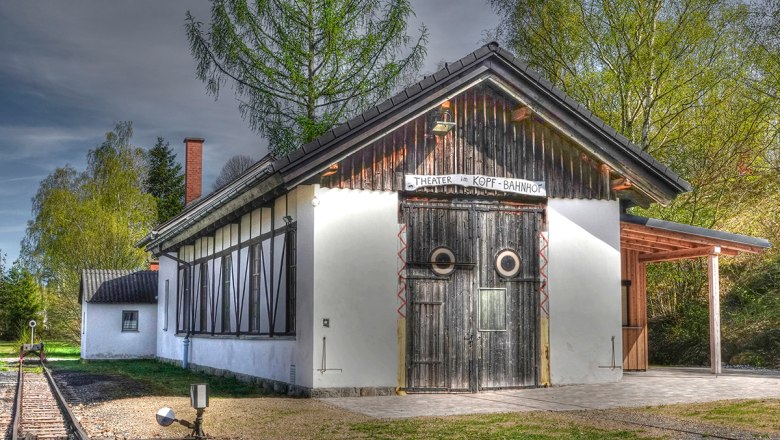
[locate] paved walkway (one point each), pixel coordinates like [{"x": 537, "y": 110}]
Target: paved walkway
[{"x": 658, "y": 386}]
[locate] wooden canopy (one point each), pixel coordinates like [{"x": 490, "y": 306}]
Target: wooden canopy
[{"x": 645, "y": 240}]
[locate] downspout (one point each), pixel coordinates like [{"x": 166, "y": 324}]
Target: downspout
[{"x": 186, "y": 352}]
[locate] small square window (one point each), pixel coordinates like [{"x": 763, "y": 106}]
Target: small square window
[
  {"x": 625, "y": 302},
  {"x": 130, "y": 320},
  {"x": 492, "y": 310}
]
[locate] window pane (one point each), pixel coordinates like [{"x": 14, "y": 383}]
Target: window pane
[
  {"x": 165, "y": 308},
  {"x": 492, "y": 309},
  {"x": 227, "y": 275},
  {"x": 129, "y": 320},
  {"x": 624, "y": 304}
]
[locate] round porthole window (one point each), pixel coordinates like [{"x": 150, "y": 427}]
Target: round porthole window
[
  {"x": 442, "y": 261},
  {"x": 508, "y": 263}
]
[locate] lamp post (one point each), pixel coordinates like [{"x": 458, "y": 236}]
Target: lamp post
[{"x": 199, "y": 399}]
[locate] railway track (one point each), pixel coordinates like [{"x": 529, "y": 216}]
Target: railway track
[{"x": 37, "y": 409}]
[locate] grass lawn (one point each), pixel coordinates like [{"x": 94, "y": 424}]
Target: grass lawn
[
  {"x": 64, "y": 350},
  {"x": 536, "y": 425},
  {"x": 758, "y": 415},
  {"x": 162, "y": 379}
]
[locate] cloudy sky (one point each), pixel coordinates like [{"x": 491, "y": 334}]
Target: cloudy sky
[{"x": 70, "y": 69}]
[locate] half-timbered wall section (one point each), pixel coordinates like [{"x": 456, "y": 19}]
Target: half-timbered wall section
[
  {"x": 493, "y": 136},
  {"x": 241, "y": 280}
]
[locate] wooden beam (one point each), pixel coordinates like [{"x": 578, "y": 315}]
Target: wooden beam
[
  {"x": 679, "y": 254},
  {"x": 689, "y": 238},
  {"x": 656, "y": 246},
  {"x": 713, "y": 274},
  {"x": 641, "y": 248},
  {"x": 649, "y": 237}
]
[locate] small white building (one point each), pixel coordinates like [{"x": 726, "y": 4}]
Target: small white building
[
  {"x": 467, "y": 234},
  {"x": 118, "y": 314}
]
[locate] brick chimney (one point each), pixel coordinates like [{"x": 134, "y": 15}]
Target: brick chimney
[{"x": 193, "y": 169}]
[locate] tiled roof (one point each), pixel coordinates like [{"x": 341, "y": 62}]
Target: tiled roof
[
  {"x": 288, "y": 171},
  {"x": 118, "y": 286},
  {"x": 696, "y": 230},
  {"x": 454, "y": 69}
]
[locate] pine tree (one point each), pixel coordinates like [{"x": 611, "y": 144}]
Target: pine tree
[
  {"x": 20, "y": 301},
  {"x": 165, "y": 180},
  {"x": 300, "y": 67}
]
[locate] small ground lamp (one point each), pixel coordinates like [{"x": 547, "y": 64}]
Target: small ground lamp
[
  {"x": 444, "y": 123},
  {"x": 199, "y": 399}
]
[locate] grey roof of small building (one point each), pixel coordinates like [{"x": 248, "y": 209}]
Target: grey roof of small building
[
  {"x": 108, "y": 286},
  {"x": 695, "y": 230}
]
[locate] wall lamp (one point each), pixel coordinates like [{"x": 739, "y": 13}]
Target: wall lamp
[{"x": 444, "y": 123}]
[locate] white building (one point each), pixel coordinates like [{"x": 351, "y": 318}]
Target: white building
[
  {"x": 467, "y": 234},
  {"x": 118, "y": 314}
]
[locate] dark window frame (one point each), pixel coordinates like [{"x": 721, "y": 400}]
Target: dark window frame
[
  {"x": 625, "y": 303},
  {"x": 203, "y": 297},
  {"x": 222, "y": 303},
  {"x": 133, "y": 327},
  {"x": 226, "y": 274},
  {"x": 166, "y": 301},
  {"x": 291, "y": 273},
  {"x": 255, "y": 275}
]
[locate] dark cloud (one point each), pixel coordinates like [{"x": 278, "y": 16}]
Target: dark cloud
[{"x": 70, "y": 70}]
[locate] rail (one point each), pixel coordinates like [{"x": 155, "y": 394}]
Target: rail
[{"x": 41, "y": 423}]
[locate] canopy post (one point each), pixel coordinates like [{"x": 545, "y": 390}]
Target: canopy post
[{"x": 713, "y": 273}]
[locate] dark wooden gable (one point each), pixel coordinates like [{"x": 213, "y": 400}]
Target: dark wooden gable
[{"x": 487, "y": 140}]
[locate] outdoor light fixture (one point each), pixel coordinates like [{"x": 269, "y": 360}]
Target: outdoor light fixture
[
  {"x": 521, "y": 113},
  {"x": 315, "y": 202},
  {"x": 444, "y": 123},
  {"x": 333, "y": 169},
  {"x": 287, "y": 219},
  {"x": 199, "y": 399}
]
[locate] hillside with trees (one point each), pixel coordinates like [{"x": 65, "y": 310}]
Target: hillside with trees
[
  {"x": 88, "y": 219},
  {"x": 695, "y": 83}
]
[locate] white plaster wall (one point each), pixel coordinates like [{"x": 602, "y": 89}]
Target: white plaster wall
[
  {"x": 260, "y": 357},
  {"x": 584, "y": 289},
  {"x": 168, "y": 345},
  {"x": 105, "y": 338},
  {"x": 355, "y": 284}
]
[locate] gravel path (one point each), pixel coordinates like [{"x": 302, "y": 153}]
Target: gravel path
[
  {"x": 114, "y": 407},
  {"x": 7, "y": 395}
]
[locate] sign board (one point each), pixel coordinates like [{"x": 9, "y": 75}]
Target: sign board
[{"x": 516, "y": 186}]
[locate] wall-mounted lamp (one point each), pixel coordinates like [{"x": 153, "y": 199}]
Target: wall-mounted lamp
[
  {"x": 444, "y": 123},
  {"x": 315, "y": 202},
  {"x": 521, "y": 113},
  {"x": 331, "y": 170},
  {"x": 287, "y": 219}
]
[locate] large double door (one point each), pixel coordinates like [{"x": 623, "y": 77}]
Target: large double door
[{"x": 472, "y": 313}]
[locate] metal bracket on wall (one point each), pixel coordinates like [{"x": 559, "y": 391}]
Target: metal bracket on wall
[{"x": 324, "y": 366}]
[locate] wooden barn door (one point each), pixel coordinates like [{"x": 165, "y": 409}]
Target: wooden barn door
[
  {"x": 507, "y": 298},
  {"x": 439, "y": 307},
  {"x": 469, "y": 326}
]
